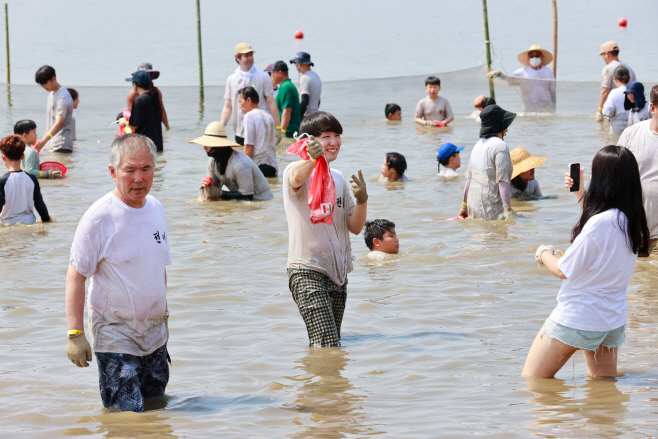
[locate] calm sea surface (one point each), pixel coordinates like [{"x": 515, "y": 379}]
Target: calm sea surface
[{"x": 434, "y": 341}]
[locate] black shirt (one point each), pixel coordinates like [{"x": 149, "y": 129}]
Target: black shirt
[{"x": 145, "y": 117}]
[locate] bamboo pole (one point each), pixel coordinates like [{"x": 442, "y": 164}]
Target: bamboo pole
[
  {"x": 555, "y": 38},
  {"x": 7, "y": 40},
  {"x": 488, "y": 44},
  {"x": 198, "y": 42}
]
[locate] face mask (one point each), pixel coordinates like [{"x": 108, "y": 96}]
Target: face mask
[{"x": 535, "y": 61}]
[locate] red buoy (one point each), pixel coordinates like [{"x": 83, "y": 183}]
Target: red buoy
[
  {"x": 623, "y": 22},
  {"x": 299, "y": 34}
]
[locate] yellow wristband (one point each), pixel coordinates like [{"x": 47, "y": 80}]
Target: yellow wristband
[
  {"x": 49, "y": 134},
  {"x": 75, "y": 332},
  {"x": 464, "y": 203}
]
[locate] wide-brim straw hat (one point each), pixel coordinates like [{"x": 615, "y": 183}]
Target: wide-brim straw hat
[
  {"x": 214, "y": 136},
  {"x": 547, "y": 57},
  {"x": 523, "y": 161}
]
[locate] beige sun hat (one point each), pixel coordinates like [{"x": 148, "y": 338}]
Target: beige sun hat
[
  {"x": 215, "y": 135},
  {"x": 523, "y": 161},
  {"x": 243, "y": 48},
  {"x": 545, "y": 60}
]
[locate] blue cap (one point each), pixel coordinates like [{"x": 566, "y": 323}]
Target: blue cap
[
  {"x": 447, "y": 149},
  {"x": 302, "y": 58},
  {"x": 141, "y": 77}
]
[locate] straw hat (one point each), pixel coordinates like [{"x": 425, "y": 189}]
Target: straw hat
[
  {"x": 545, "y": 60},
  {"x": 523, "y": 161},
  {"x": 215, "y": 135}
]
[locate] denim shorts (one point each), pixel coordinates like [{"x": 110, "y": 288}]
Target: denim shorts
[{"x": 586, "y": 340}]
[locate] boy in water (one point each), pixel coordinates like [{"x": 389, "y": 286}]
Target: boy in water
[
  {"x": 381, "y": 239},
  {"x": 19, "y": 191},
  {"x": 393, "y": 168},
  {"x": 76, "y": 101},
  {"x": 393, "y": 113},
  {"x": 27, "y": 131},
  {"x": 433, "y": 109},
  {"x": 448, "y": 156}
]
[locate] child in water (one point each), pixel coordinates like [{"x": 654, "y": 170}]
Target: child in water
[
  {"x": 381, "y": 239},
  {"x": 394, "y": 167},
  {"x": 448, "y": 156},
  {"x": 596, "y": 270},
  {"x": 523, "y": 173}
]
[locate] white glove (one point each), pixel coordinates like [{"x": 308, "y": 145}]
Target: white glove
[
  {"x": 541, "y": 249},
  {"x": 493, "y": 74}
]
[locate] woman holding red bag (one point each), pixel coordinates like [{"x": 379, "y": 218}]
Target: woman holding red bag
[{"x": 320, "y": 255}]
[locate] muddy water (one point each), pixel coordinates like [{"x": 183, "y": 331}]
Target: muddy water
[{"x": 434, "y": 341}]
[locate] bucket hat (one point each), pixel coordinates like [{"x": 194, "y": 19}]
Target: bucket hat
[
  {"x": 148, "y": 67},
  {"x": 547, "y": 57},
  {"x": 523, "y": 161},
  {"x": 495, "y": 120},
  {"x": 214, "y": 136},
  {"x": 302, "y": 58}
]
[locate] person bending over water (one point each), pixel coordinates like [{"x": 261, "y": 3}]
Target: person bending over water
[
  {"x": 523, "y": 173},
  {"x": 320, "y": 255},
  {"x": 596, "y": 270},
  {"x": 230, "y": 168},
  {"x": 487, "y": 189}
]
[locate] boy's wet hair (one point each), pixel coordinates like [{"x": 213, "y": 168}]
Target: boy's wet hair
[
  {"x": 376, "y": 229},
  {"x": 24, "y": 126},
  {"x": 44, "y": 74},
  {"x": 432, "y": 80},
  {"x": 249, "y": 93},
  {"x": 12, "y": 147},
  {"x": 396, "y": 161},
  {"x": 73, "y": 93},
  {"x": 391, "y": 109},
  {"x": 320, "y": 122},
  {"x": 446, "y": 162}
]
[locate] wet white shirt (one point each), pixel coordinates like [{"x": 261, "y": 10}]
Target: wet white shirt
[
  {"x": 598, "y": 267},
  {"x": 255, "y": 78},
  {"x": 259, "y": 131},
  {"x": 124, "y": 251}
]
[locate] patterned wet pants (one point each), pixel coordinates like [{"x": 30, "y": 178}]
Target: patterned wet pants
[
  {"x": 125, "y": 380},
  {"x": 321, "y": 304}
]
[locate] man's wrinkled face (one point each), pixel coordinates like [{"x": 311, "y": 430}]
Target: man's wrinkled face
[{"x": 134, "y": 177}]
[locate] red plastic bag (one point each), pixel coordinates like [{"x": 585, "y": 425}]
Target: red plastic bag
[{"x": 321, "y": 187}]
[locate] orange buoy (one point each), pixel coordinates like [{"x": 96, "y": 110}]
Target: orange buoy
[
  {"x": 623, "y": 22},
  {"x": 299, "y": 34}
]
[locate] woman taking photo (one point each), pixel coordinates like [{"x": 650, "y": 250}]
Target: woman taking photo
[{"x": 591, "y": 305}]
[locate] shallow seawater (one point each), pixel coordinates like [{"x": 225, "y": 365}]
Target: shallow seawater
[{"x": 433, "y": 341}]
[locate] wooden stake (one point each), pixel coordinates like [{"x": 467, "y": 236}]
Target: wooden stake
[{"x": 488, "y": 44}]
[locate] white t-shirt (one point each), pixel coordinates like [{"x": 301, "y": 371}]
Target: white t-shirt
[
  {"x": 311, "y": 85},
  {"x": 448, "y": 173},
  {"x": 608, "y": 72},
  {"x": 614, "y": 109},
  {"x": 644, "y": 145},
  {"x": 241, "y": 175},
  {"x": 259, "y": 131},
  {"x": 60, "y": 104},
  {"x": 598, "y": 267},
  {"x": 537, "y": 88},
  {"x": 324, "y": 248},
  {"x": 438, "y": 110},
  {"x": 238, "y": 80},
  {"x": 124, "y": 251}
]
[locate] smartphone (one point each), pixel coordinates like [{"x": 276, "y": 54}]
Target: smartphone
[{"x": 574, "y": 171}]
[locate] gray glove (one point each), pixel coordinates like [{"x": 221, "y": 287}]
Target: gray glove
[
  {"x": 314, "y": 148},
  {"x": 166, "y": 322},
  {"x": 212, "y": 192},
  {"x": 78, "y": 350},
  {"x": 493, "y": 74},
  {"x": 541, "y": 249},
  {"x": 359, "y": 188},
  {"x": 53, "y": 174},
  {"x": 279, "y": 135}
]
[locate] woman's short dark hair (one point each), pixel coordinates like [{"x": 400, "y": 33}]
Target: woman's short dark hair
[
  {"x": 24, "y": 126},
  {"x": 432, "y": 80},
  {"x": 391, "y": 109},
  {"x": 249, "y": 93},
  {"x": 44, "y": 74},
  {"x": 12, "y": 147},
  {"x": 376, "y": 229},
  {"x": 320, "y": 122},
  {"x": 396, "y": 161},
  {"x": 616, "y": 185},
  {"x": 622, "y": 75}
]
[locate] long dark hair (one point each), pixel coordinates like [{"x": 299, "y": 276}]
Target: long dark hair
[{"x": 616, "y": 185}]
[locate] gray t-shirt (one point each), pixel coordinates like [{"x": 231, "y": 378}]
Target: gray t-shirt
[
  {"x": 438, "y": 110},
  {"x": 60, "y": 104},
  {"x": 311, "y": 85},
  {"x": 241, "y": 175},
  {"x": 644, "y": 145},
  {"x": 324, "y": 248},
  {"x": 609, "y": 71}
]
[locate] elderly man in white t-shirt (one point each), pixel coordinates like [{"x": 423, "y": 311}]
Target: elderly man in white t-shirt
[
  {"x": 248, "y": 75},
  {"x": 122, "y": 244},
  {"x": 259, "y": 136},
  {"x": 642, "y": 140}
]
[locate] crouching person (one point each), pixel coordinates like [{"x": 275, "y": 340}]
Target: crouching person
[
  {"x": 122, "y": 244},
  {"x": 230, "y": 168},
  {"x": 320, "y": 255}
]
